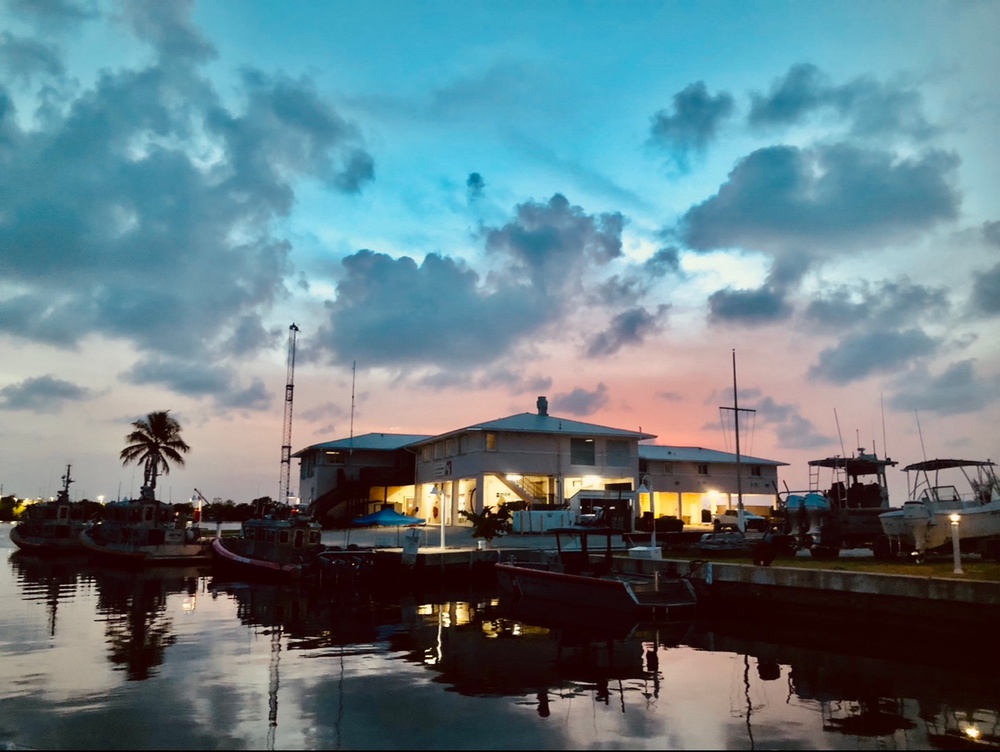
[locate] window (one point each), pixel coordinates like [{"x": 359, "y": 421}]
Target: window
[
  {"x": 438, "y": 450},
  {"x": 449, "y": 448},
  {"x": 491, "y": 441},
  {"x": 618, "y": 452},
  {"x": 581, "y": 452},
  {"x": 426, "y": 453},
  {"x": 755, "y": 471},
  {"x": 702, "y": 468},
  {"x": 335, "y": 458}
]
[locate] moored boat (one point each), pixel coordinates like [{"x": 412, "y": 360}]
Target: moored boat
[
  {"x": 53, "y": 527},
  {"x": 282, "y": 544},
  {"x": 146, "y": 531},
  {"x": 944, "y": 494},
  {"x": 575, "y": 578}
]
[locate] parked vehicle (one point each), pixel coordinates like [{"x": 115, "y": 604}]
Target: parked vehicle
[
  {"x": 841, "y": 508},
  {"x": 946, "y": 498}
]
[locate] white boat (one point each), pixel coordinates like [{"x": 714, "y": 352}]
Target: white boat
[{"x": 938, "y": 489}]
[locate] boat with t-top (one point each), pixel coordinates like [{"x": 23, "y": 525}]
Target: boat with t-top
[{"x": 946, "y": 498}]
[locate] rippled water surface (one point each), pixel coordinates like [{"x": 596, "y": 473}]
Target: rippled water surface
[{"x": 98, "y": 658}]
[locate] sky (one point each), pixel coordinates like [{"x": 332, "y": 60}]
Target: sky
[{"x": 465, "y": 205}]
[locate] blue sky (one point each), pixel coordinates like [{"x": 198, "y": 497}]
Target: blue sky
[{"x": 463, "y": 206}]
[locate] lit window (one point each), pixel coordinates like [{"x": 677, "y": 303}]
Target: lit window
[{"x": 491, "y": 442}]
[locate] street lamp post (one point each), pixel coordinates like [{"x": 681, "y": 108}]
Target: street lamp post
[
  {"x": 652, "y": 551},
  {"x": 439, "y": 500},
  {"x": 954, "y": 543}
]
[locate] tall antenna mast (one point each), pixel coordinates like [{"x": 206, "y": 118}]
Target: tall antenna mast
[
  {"x": 739, "y": 475},
  {"x": 350, "y": 442},
  {"x": 286, "y": 444}
]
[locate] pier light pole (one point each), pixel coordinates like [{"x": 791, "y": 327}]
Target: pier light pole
[
  {"x": 439, "y": 500},
  {"x": 954, "y": 543}
]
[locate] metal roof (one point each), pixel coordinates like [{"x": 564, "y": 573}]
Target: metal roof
[
  {"x": 535, "y": 423},
  {"x": 375, "y": 441},
  {"x": 698, "y": 454}
]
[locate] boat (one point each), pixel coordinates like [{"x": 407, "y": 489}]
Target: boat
[
  {"x": 278, "y": 543},
  {"x": 578, "y": 576},
  {"x": 146, "y": 531},
  {"x": 842, "y": 508},
  {"x": 944, "y": 494},
  {"x": 53, "y": 527}
]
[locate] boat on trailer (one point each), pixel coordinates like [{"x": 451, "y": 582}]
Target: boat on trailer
[
  {"x": 53, "y": 527},
  {"x": 943, "y": 493},
  {"x": 146, "y": 531},
  {"x": 582, "y": 576},
  {"x": 842, "y": 507}
]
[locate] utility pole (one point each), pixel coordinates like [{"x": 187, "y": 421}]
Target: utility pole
[{"x": 286, "y": 444}]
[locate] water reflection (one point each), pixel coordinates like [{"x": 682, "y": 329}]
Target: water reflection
[{"x": 269, "y": 666}]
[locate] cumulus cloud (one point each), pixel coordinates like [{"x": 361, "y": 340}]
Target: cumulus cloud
[
  {"x": 581, "y": 402},
  {"x": 833, "y": 198},
  {"x": 859, "y": 355},
  {"x": 396, "y": 312},
  {"x": 760, "y": 306},
  {"x": 42, "y": 394},
  {"x": 153, "y": 220},
  {"x": 691, "y": 125},
  {"x": 885, "y": 304},
  {"x": 955, "y": 391},
  {"x": 23, "y": 58},
  {"x": 630, "y": 327},
  {"x": 871, "y": 107}
]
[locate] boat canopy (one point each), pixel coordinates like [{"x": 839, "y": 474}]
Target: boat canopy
[{"x": 931, "y": 465}]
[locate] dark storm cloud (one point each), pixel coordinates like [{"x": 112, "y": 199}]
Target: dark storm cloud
[
  {"x": 691, "y": 125},
  {"x": 872, "y": 108},
  {"x": 860, "y": 355},
  {"x": 833, "y": 199},
  {"x": 792, "y": 429},
  {"x": 152, "y": 220},
  {"x": 986, "y": 284},
  {"x": 886, "y": 304},
  {"x": 41, "y": 394},
  {"x": 169, "y": 28},
  {"x": 474, "y": 186},
  {"x": 22, "y": 58},
  {"x": 580, "y": 402},
  {"x": 54, "y": 14},
  {"x": 760, "y": 306},
  {"x": 440, "y": 313},
  {"x": 956, "y": 391},
  {"x": 630, "y": 327}
]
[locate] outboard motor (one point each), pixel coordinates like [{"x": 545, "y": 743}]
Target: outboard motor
[{"x": 806, "y": 515}]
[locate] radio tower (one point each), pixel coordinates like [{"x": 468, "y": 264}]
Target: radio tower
[{"x": 286, "y": 435}]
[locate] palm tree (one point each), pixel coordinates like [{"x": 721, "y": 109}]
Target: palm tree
[{"x": 156, "y": 439}]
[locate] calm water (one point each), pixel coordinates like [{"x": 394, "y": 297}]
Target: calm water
[{"x": 95, "y": 658}]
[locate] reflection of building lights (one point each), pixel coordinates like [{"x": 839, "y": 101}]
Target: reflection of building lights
[
  {"x": 972, "y": 732},
  {"x": 190, "y": 603}
]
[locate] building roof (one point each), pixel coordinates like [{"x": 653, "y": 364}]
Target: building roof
[
  {"x": 552, "y": 424},
  {"x": 376, "y": 441},
  {"x": 698, "y": 454}
]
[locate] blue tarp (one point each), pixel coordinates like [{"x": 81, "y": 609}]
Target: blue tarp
[{"x": 388, "y": 518}]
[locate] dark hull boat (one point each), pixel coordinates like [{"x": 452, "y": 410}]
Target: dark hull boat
[
  {"x": 146, "y": 531},
  {"x": 582, "y": 578},
  {"x": 53, "y": 527},
  {"x": 282, "y": 545}
]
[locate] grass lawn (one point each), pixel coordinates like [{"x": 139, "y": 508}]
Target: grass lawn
[{"x": 973, "y": 567}]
